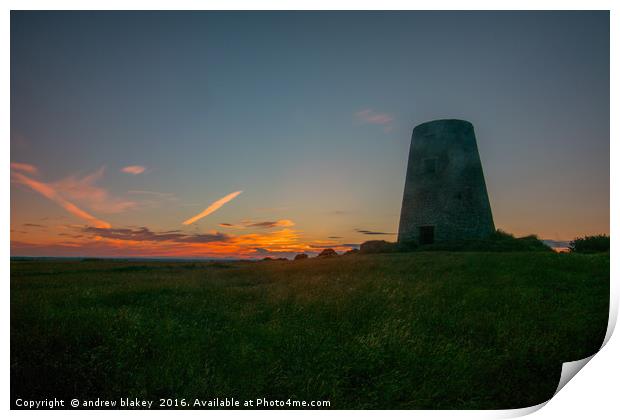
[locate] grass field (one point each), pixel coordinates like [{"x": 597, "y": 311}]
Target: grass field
[{"x": 419, "y": 330}]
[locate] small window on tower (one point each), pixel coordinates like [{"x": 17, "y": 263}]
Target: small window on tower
[
  {"x": 427, "y": 235},
  {"x": 430, "y": 166}
]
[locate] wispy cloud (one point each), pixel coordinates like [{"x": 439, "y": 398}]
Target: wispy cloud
[
  {"x": 248, "y": 224},
  {"x": 369, "y": 116},
  {"x": 69, "y": 235},
  {"x": 34, "y": 225},
  {"x": 269, "y": 225},
  {"x": 370, "y": 232},
  {"x": 213, "y": 207},
  {"x": 145, "y": 234},
  {"x": 133, "y": 169},
  {"x": 152, "y": 198},
  {"x": 85, "y": 191},
  {"x": 24, "y": 167},
  {"x": 50, "y": 192}
]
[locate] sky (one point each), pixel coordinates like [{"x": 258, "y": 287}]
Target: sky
[{"x": 253, "y": 134}]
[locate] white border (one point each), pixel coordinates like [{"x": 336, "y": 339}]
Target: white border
[{"x": 593, "y": 393}]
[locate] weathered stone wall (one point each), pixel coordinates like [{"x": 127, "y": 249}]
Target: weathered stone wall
[{"x": 445, "y": 187}]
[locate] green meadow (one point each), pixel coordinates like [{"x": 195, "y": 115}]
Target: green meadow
[{"x": 421, "y": 330}]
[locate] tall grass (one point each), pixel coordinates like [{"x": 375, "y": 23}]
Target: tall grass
[{"x": 419, "y": 330}]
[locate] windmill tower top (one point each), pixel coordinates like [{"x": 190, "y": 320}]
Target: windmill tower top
[{"x": 445, "y": 196}]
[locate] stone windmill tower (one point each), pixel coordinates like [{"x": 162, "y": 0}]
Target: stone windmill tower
[{"x": 445, "y": 195}]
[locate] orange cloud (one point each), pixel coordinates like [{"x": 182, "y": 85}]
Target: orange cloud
[
  {"x": 142, "y": 242},
  {"x": 213, "y": 207},
  {"x": 371, "y": 117},
  {"x": 85, "y": 191},
  {"x": 50, "y": 193},
  {"x": 263, "y": 225},
  {"x": 213, "y": 244},
  {"x": 24, "y": 167},
  {"x": 134, "y": 169}
]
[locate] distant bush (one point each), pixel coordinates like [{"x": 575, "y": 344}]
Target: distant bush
[
  {"x": 590, "y": 244},
  {"x": 352, "y": 252},
  {"x": 498, "y": 241},
  {"x": 378, "y": 247},
  {"x": 328, "y": 253},
  {"x": 301, "y": 257}
]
